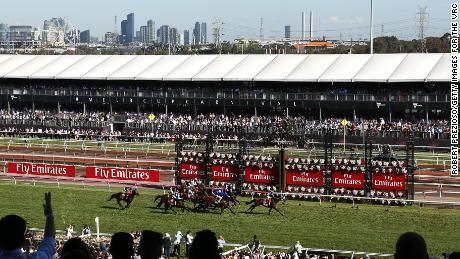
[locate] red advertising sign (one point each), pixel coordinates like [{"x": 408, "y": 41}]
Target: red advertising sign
[
  {"x": 381, "y": 181},
  {"x": 224, "y": 173},
  {"x": 192, "y": 170},
  {"x": 307, "y": 178},
  {"x": 255, "y": 174},
  {"x": 353, "y": 180},
  {"x": 41, "y": 169},
  {"x": 128, "y": 174}
]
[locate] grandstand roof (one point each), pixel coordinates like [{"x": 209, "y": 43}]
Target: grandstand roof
[{"x": 297, "y": 68}]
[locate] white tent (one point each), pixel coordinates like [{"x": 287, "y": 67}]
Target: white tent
[{"x": 414, "y": 67}]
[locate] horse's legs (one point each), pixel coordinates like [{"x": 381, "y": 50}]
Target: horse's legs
[
  {"x": 270, "y": 211},
  {"x": 278, "y": 211},
  {"x": 231, "y": 210},
  {"x": 119, "y": 203}
]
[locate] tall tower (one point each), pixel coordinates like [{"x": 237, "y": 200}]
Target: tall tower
[
  {"x": 311, "y": 25},
  {"x": 261, "y": 32},
  {"x": 303, "y": 26},
  {"x": 130, "y": 30},
  {"x": 422, "y": 22}
]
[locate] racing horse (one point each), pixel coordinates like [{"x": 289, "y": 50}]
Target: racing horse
[
  {"x": 128, "y": 198},
  {"x": 209, "y": 201},
  {"x": 267, "y": 203},
  {"x": 168, "y": 201}
]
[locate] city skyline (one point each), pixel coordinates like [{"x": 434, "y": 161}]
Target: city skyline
[{"x": 352, "y": 21}]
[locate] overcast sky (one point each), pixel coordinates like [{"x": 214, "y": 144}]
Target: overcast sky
[{"x": 241, "y": 17}]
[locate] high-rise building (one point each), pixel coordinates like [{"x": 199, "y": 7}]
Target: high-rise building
[
  {"x": 164, "y": 35},
  {"x": 23, "y": 35},
  {"x": 54, "y": 31},
  {"x": 109, "y": 38},
  {"x": 85, "y": 36},
  {"x": 174, "y": 37},
  {"x": 143, "y": 34},
  {"x": 197, "y": 34},
  {"x": 130, "y": 30},
  {"x": 124, "y": 31},
  {"x": 204, "y": 33},
  {"x": 4, "y": 33},
  {"x": 138, "y": 37},
  {"x": 287, "y": 32},
  {"x": 150, "y": 31},
  {"x": 186, "y": 37}
]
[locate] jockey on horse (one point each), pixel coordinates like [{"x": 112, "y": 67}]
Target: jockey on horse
[
  {"x": 175, "y": 195},
  {"x": 127, "y": 191},
  {"x": 220, "y": 193}
]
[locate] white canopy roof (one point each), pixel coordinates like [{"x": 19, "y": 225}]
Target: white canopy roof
[
  {"x": 14, "y": 62},
  {"x": 220, "y": 66},
  {"x": 442, "y": 71},
  {"x": 134, "y": 68},
  {"x": 189, "y": 68},
  {"x": 312, "y": 68},
  {"x": 280, "y": 68},
  {"x": 162, "y": 67},
  {"x": 373, "y": 72},
  {"x": 106, "y": 68},
  {"x": 415, "y": 67},
  {"x": 57, "y": 66},
  {"x": 249, "y": 68},
  {"x": 81, "y": 67},
  {"x": 28, "y": 68},
  {"x": 344, "y": 68}
]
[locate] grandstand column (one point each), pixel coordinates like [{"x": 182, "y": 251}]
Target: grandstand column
[
  {"x": 110, "y": 107},
  {"x": 33, "y": 105},
  {"x": 255, "y": 111},
  {"x": 9, "y": 106},
  {"x": 84, "y": 108},
  {"x": 283, "y": 156},
  {"x": 59, "y": 107}
]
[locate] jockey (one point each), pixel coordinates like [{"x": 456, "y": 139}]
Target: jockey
[
  {"x": 219, "y": 193},
  {"x": 127, "y": 191},
  {"x": 269, "y": 197},
  {"x": 175, "y": 195}
]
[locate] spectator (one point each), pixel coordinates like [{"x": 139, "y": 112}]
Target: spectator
[
  {"x": 150, "y": 245},
  {"x": 411, "y": 245},
  {"x": 177, "y": 241},
  {"x": 255, "y": 244},
  {"x": 298, "y": 248},
  {"x": 167, "y": 245},
  {"x": 86, "y": 232},
  {"x": 75, "y": 248},
  {"x": 69, "y": 231},
  {"x": 204, "y": 246},
  {"x": 122, "y": 246},
  {"x": 12, "y": 229},
  {"x": 188, "y": 243},
  {"x": 221, "y": 243}
]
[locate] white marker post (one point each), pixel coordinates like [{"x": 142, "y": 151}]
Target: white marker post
[
  {"x": 97, "y": 227},
  {"x": 344, "y": 124}
]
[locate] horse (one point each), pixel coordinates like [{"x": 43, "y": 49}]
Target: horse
[
  {"x": 265, "y": 202},
  {"x": 168, "y": 202},
  {"x": 208, "y": 201},
  {"x": 126, "y": 198}
]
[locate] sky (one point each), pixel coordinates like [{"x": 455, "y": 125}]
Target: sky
[{"x": 241, "y": 18}]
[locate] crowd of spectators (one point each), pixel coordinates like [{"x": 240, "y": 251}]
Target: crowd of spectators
[
  {"x": 17, "y": 242},
  {"x": 138, "y": 126}
]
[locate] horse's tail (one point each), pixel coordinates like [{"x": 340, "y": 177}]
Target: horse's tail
[
  {"x": 156, "y": 198},
  {"x": 113, "y": 196},
  {"x": 249, "y": 202}
]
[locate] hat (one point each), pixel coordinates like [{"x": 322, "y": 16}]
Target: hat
[
  {"x": 167, "y": 235},
  {"x": 179, "y": 233}
]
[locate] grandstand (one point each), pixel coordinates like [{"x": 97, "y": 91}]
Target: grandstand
[{"x": 179, "y": 119}]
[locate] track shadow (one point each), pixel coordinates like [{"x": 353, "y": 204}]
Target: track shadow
[
  {"x": 111, "y": 208},
  {"x": 252, "y": 212},
  {"x": 163, "y": 212}
]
